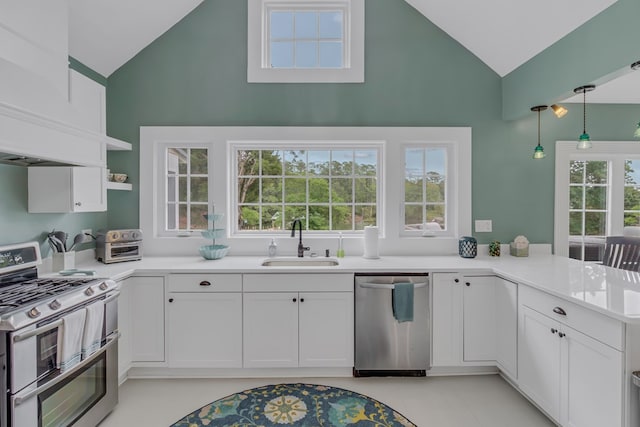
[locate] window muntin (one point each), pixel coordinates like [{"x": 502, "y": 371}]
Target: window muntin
[
  {"x": 330, "y": 189},
  {"x": 305, "y": 38},
  {"x": 425, "y": 188},
  {"x": 187, "y": 188},
  {"x": 589, "y": 185}
]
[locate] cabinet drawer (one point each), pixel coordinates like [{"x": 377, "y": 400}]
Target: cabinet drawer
[
  {"x": 298, "y": 282},
  {"x": 591, "y": 323},
  {"x": 198, "y": 282}
]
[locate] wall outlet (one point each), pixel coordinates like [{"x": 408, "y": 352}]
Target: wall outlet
[
  {"x": 87, "y": 239},
  {"x": 483, "y": 226}
]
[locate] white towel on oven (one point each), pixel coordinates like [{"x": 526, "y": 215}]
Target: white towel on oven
[
  {"x": 70, "y": 340},
  {"x": 92, "y": 337}
]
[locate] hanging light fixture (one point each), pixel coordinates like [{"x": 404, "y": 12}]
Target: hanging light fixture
[
  {"x": 538, "y": 152},
  {"x": 559, "y": 110},
  {"x": 584, "y": 141},
  {"x": 636, "y": 66}
]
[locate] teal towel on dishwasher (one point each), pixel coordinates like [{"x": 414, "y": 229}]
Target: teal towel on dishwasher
[{"x": 402, "y": 302}]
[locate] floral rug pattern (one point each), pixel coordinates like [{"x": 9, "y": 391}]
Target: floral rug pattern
[{"x": 301, "y": 405}]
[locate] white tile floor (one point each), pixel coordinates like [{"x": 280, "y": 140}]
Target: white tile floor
[{"x": 463, "y": 401}]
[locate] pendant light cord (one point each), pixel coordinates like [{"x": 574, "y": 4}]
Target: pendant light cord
[
  {"x": 584, "y": 110},
  {"x": 538, "y": 128}
]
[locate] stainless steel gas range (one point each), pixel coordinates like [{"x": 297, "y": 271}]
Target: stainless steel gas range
[{"x": 35, "y": 314}]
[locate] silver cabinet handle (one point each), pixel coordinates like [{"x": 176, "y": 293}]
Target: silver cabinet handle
[{"x": 388, "y": 286}]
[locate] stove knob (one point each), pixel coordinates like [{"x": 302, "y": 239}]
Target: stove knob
[
  {"x": 135, "y": 235},
  {"x": 33, "y": 313},
  {"x": 55, "y": 304},
  {"x": 103, "y": 286},
  {"x": 89, "y": 291},
  {"x": 115, "y": 236},
  {"x": 125, "y": 236}
]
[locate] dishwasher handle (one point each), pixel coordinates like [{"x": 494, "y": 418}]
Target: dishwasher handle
[{"x": 388, "y": 286}]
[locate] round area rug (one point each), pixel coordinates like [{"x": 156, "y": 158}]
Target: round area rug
[{"x": 303, "y": 405}]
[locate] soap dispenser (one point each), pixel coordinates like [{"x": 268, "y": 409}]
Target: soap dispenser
[
  {"x": 273, "y": 248},
  {"x": 340, "y": 252}
]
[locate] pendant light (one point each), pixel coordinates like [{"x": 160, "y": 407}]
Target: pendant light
[
  {"x": 538, "y": 152},
  {"x": 584, "y": 141},
  {"x": 636, "y": 66},
  {"x": 559, "y": 110}
]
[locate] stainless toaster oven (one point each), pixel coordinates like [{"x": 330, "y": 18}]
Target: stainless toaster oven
[{"x": 119, "y": 245}]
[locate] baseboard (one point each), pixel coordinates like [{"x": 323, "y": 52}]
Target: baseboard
[
  {"x": 438, "y": 371},
  {"x": 141, "y": 373}
]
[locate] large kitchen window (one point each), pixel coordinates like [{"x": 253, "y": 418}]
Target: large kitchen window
[
  {"x": 293, "y": 41},
  {"x": 597, "y": 195},
  {"x": 329, "y": 188},
  {"x": 335, "y": 179}
]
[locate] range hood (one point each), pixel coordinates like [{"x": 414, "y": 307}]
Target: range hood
[{"x": 30, "y": 139}]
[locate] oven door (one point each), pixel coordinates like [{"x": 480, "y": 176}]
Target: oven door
[
  {"x": 123, "y": 251},
  {"x": 81, "y": 397}
]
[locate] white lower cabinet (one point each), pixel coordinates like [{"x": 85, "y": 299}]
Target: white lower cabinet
[
  {"x": 204, "y": 321},
  {"x": 464, "y": 320},
  {"x": 124, "y": 327},
  {"x": 293, "y": 325},
  {"x": 147, "y": 318},
  {"x": 270, "y": 331},
  {"x": 506, "y": 306},
  {"x": 575, "y": 378}
]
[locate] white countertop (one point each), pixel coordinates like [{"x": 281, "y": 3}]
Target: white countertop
[{"x": 613, "y": 292}]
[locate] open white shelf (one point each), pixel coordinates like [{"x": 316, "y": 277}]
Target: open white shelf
[
  {"x": 116, "y": 144},
  {"x": 125, "y": 186}
]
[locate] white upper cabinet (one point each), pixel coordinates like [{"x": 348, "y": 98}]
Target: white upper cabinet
[
  {"x": 67, "y": 189},
  {"x": 88, "y": 99}
]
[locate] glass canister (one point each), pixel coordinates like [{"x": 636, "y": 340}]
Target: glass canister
[{"x": 468, "y": 247}]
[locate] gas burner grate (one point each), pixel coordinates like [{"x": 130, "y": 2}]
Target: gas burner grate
[{"x": 35, "y": 290}]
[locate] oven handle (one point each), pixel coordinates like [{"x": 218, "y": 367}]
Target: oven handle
[
  {"x": 37, "y": 331},
  {"x": 111, "y": 339},
  {"x": 385, "y": 286}
]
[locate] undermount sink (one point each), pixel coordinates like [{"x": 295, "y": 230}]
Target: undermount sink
[{"x": 300, "y": 262}]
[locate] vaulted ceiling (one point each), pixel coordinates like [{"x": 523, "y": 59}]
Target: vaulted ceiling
[{"x": 504, "y": 34}]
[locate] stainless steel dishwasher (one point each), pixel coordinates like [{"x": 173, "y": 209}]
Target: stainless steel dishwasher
[{"x": 384, "y": 346}]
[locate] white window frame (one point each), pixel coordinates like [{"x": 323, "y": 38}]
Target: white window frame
[
  {"x": 154, "y": 139},
  {"x": 616, "y": 153},
  {"x": 258, "y": 66},
  {"x": 450, "y": 194},
  {"x": 378, "y": 146}
]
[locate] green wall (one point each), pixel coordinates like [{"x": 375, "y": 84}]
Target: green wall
[
  {"x": 415, "y": 75},
  {"x": 18, "y": 225}
]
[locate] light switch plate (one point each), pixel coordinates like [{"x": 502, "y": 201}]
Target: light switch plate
[{"x": 483, "y": 226}]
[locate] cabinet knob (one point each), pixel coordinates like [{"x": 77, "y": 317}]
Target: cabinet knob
[
  {"x": 554, "y": 330},
  {"x": 467, "y": 283},
  {"x": 78, "y": 203},
  {"x": 561, "y": 334},
  {"x": 295, "y": 299},
  {"x": 301, "y": 299},
  {"x": 170, "y": 299},
  {"x": 456, "y": 280},
  {"x": 205, "y": 283},
  {"x": 560, "y": 311}
]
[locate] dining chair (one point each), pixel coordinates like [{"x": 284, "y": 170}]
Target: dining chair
[{"x": 622, "y": 252}]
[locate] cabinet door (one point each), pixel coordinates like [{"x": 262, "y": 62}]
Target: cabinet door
[
  {"x": 147, "y": 319},
  {"x": 124, "y": 327},
  {"x": 591, "y": 394},
  {"x": 479, "y": 318},
  {"x": 88, "y": 99},
  {"x": 539, "y": 359},
  {"x": 326, "y": 329},
  {"x": 270, "y": 330},
  {"x": 204, "y": 330},
  {"x": 89, "y": 190},
  {"x": 507, "y": 327},
  {"x": 447, "y": 319}
]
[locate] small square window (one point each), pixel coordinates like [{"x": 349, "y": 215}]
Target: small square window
[{"x": 302, "y": 42}]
